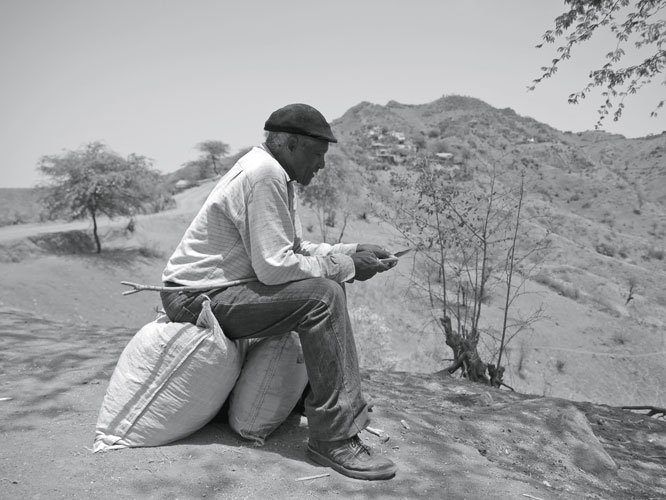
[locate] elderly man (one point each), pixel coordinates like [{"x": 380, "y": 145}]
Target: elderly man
[{"x": 249, "y": 228}]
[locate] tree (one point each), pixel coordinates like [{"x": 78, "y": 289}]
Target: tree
[
  {"x": 335, "y": 189},
  {"x": 209, "y": 162},
  {"x": 467, "y": 236},
  {"x": 94, "y": 181},
  {"x": 638, "y": 23}
]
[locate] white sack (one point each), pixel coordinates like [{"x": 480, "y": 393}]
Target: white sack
[
  {"x": 171, "y": 379},
  {"x": 271, "y": 382}
]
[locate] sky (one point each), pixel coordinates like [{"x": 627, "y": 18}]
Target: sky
[{"x": 157, "y": 77}]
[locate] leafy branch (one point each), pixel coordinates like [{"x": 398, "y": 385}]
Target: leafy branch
[{"x": 639, "y": 24}]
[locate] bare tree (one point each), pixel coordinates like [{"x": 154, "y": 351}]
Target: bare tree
[{"x": 464, "y": 233}]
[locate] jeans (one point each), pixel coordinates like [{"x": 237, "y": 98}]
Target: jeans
[{"x": 315, "y": 308}]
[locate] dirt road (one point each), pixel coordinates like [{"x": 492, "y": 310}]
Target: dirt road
[{"x": 187, "y": 201}]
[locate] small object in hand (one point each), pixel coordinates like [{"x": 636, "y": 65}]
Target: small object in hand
[
  {"x": 402, "y": 252},
  {"x": 389, "y": 262}
]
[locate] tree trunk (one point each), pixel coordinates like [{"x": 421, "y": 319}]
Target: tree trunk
[
  {"x": 96, "y": 236},
  {"x": 465, "y": 354}
]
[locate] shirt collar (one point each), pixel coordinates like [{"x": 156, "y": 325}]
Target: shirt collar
[{"x": 265, "y": 147}]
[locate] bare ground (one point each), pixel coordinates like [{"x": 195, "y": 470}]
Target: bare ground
[{"x": 451, "y": 439}]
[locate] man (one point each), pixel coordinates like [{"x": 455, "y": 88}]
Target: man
[{"x": 248, "y": 228}]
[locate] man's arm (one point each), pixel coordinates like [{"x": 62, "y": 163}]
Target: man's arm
[
  {"x": 309, "y": 248},
  {"x": 268, "y": 235}
]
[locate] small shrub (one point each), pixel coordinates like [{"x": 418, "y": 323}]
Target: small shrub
[
  {"x": 419, "y": 142},
  {"x": 565, "y": 289},
  {"x": 656, "y": 253},
  {"x": 560, "y": 366},
  {"x": 607, "y": 218},
  {"x": 660, "y": 299},
  {"x": 150, "y": 252},
  {"x": 619, "y": 338},
  {"x": 605, "y": 249},
  {"x": 131, "y": 226}
]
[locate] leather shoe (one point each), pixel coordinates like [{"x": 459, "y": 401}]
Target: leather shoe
[{"x": 352, "y": 458}]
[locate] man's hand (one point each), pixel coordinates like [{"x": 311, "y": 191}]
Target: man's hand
[
  {"x": 366, "y": 265},
  {"x": 379, "y": 252}
]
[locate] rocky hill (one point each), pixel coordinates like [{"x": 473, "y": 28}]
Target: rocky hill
[
  {"x": 612, "y": 181},
  {"x": 605, "y": 199}
]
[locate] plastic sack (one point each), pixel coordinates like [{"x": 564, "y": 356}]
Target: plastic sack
[
  {"x": 271, "y": 383},
  {"x": 170, "y": 380}
]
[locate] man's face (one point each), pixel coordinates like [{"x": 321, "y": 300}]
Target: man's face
[{"x": 307, "y": 158}]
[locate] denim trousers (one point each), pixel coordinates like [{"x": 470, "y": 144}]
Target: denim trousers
[{"x": 316, "y": 308}]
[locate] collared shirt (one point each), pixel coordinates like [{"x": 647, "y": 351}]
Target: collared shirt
[{"x": 248, "y": 227}]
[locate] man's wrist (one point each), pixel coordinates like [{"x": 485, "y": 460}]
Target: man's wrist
[{"x": 347, "y": 270}]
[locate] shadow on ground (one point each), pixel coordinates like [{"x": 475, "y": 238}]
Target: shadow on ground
[{"x": 451, "y": 439}]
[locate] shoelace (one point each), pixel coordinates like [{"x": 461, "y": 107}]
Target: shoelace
[{"x": 359, "y": 446}]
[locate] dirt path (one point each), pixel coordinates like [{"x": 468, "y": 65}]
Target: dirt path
[{"x": 187, "y": 201}]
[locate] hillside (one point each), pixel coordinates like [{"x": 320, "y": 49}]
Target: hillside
[
  {"x": 18, "y": 206},
  {"x": 601, "y": 285},
  {"x": 604, "y": 196}
]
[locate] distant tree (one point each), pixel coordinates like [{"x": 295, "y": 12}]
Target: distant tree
[
  {"x": 94, "y": 181},
  {"x": 640, "y": 23},
  {"x": 209, "y": 162},
  {"x": 334, "y": 190}
]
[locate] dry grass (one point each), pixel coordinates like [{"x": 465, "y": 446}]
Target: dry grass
[{"x": 563, "y": 288}]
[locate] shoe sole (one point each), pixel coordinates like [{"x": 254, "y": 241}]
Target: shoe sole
[{"x": 356, "y": 474}]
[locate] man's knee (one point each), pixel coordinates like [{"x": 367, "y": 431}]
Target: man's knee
[{"x": 327, "y": 291}]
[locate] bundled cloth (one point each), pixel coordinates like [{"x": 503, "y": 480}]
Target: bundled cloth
[{"x": 173, "y": 378}]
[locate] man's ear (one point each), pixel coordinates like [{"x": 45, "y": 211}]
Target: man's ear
[{"x": 292, "y": 143}]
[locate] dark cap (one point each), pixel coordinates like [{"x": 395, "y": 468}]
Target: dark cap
[{"x": 300, "y": 119}]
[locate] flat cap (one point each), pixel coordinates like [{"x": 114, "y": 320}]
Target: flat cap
[{"x": 300, "y": 119}]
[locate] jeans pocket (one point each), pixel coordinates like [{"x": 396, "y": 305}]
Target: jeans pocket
[{"x": 182, "y": 307}]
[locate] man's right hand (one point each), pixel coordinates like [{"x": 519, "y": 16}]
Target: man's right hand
[{"x": 366, "y": 265}]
